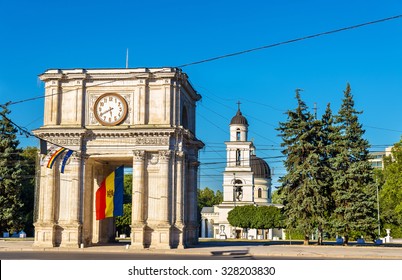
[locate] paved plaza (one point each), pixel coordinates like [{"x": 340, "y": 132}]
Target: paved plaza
[{"x": 216, "y": 248}]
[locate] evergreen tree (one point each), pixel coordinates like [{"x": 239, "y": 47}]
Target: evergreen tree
[
  {"x": 10, "y": 175},
  {"x": 304, "y": 189},
  {"x": 330, "y": 134},
  {"x": 29, "y": 158},
  {"x": 354, "y": 189}
]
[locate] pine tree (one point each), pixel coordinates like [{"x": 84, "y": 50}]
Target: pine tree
[
  {"x": 10, "y": 175},
  {"x": 354, "y": 189},
  {"x": 330, "y": 134},
  {"x": 304, "y": 189},
  {"x": 28, "y": 164}
]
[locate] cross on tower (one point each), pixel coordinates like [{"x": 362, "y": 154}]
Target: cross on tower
[{"x": 238, "y": 105}]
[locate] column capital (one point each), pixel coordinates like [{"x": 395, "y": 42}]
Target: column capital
[
  {"x": 180, "y": 155},
  {"x": 165, "y": 155},
  {"x": 138, "y": 155}
]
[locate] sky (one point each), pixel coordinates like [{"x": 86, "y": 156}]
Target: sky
[{"x": 40, "y": 35}]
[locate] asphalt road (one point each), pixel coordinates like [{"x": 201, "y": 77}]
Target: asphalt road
[{"x": 34, "y": 255}]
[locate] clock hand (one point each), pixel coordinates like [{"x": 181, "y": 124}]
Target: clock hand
[{"x": 110, "y": 110}]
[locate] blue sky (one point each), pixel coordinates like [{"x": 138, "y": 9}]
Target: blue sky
[{"x": 38, "y": 35}]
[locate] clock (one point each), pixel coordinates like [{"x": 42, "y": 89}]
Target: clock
[{"x": 110, "y": 109}]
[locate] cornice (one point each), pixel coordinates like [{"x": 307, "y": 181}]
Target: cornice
[
  {"x": 59, "y": 132},
  {"x": 109, "y": 73}
]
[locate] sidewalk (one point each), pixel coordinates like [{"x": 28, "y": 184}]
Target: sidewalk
[{"x": 387, "y": 251}]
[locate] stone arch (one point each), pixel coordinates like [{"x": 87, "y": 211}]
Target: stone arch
[
  {"x": 238, "y": 190},
  {"x": 150, "y": 138}
]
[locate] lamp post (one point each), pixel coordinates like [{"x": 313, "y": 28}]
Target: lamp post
[{"x": 378, "y": 212}]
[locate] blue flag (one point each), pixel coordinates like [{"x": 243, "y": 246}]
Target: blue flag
[{"x": 66, "y": 157}]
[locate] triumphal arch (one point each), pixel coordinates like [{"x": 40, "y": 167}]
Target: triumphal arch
[{"x": 141, "y": 118}]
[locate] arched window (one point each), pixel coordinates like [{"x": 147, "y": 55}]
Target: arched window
[
  {"x": 238, "y": 190},
  {"x": 259, "y": 193},
  {"x": 238, "y": 159},
  {"x": 238, "y": 134}
]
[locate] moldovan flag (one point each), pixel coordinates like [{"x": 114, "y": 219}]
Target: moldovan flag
[{"x": 109, "y": 196}]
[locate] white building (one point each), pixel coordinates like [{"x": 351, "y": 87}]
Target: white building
[
  {"x": 246, "y": 180},
  {"x": 377, "y": 158}
]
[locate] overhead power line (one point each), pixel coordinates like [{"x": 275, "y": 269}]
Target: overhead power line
[
  {"x": 255, "y": 49},
  {"x": 291, "y": 41}
]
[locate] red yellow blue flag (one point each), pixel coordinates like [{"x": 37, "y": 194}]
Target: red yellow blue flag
[{"x": 109, "y": 196}]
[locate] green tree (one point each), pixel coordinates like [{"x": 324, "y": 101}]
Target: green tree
[
  {"x": 242, "y": 216},
  {"x": 123, "y": 223},
  {"x": 391, "y": 192},
  {"x": 277, "y": 197},
  {"x": 208, "y": 198},
  {"x": 128, "y": 188},
  {"x": 330, "y": 135},
  {"x": 304, "y": 188},
  {"x": 10, "y": 175},
  {"x": 267, "y": 217},
  {"x": 354, "y": 188},
  {"x": 29, "y": 158}
]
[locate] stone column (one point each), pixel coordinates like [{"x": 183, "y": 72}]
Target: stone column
[
  {"x": 164, "y": 158},
  {"x": 203, "y": 228},
  {"x": 45, "y": 224},
  {"x": 179, "y": 202},
  {"x": 89, "y": 227},
  {"x": 138, "y": 201},
  {"x": 161, "y": 239},
  {"x": 270, "y": 235},
  {"x": 71, "y": 236},
  {"x": 97, "y": 226}
]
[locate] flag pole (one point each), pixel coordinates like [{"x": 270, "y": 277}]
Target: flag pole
[{"x": 127, "y": 58}]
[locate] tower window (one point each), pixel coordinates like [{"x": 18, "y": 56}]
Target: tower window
[
  {"x": 259, "y": 193},
  {"x": 238, "y": 159},
  {"x": 238, "y": 190},
  {"x": 238, "y": 135}
]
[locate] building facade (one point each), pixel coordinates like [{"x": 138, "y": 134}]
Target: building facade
[
  {"x": 246, "y": 181},
  {"x": 141, "y": 118},
  {"x": 377, "y": 158}
]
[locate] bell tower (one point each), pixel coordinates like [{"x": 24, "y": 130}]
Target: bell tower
[{"x": 238, "y": 179}]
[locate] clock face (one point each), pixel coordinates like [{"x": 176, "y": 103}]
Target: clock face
[{"x": 110, "y": 109}]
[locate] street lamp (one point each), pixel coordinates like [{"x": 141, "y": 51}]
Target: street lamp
[{"x": 378, "y": 211}]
